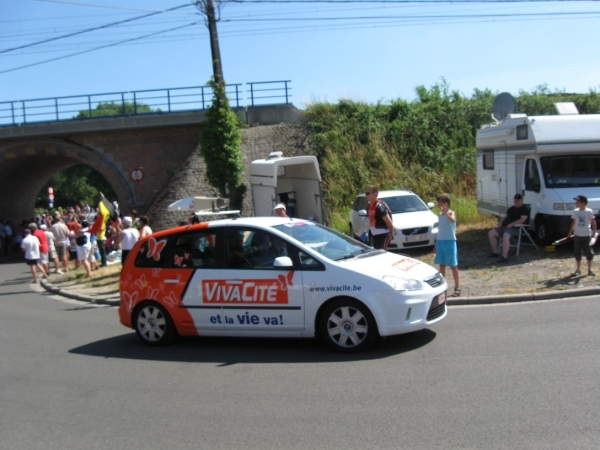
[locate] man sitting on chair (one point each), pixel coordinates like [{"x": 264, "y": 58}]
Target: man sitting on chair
[{"x": 506, "y": 229}]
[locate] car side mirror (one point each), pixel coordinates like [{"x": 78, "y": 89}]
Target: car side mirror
[
  {"x": 430, "y": 205},
  {"x": 283, "y": 262},
  {"x": 363, "y": 213}
]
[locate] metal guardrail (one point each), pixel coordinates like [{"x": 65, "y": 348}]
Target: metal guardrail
[{"x": 136, "y": 103}]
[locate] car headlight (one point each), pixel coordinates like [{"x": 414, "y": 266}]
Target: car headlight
[
  {"x": 436, "y": 225},
  {"x": 403, "y": 284}
]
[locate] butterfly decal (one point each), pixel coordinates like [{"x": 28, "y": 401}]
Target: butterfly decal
[
  {"x": 130, "y": 300},
  {"x": 178, "y": 260},
  {"x": 152, "y": 293},
  {"x": 286, "y": 281},
  {"x": 141, "y": 282},
  {"x": 186, "y": 256},
  {"x": 171, "y": 300},
  {"x": 155, "y": 247},
  {"x": 156, "y": 273}
]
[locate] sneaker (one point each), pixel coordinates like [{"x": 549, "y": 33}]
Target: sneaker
[
  {"x": 503, "y": 259},
  {"x": 58, "y": 271},
  {"x": 576, "y": 273},
  {"x": 494, "y": 255},
  {"x": 591, "y": 273}
]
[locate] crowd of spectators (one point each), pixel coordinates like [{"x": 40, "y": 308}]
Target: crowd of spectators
[{"x": 65, "y": 235}]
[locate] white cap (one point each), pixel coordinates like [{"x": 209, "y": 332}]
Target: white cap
[
  {"x": 126, "y": 220},
  {"x": 279, "y": 206},
  {"x": 43, "y": 226}
]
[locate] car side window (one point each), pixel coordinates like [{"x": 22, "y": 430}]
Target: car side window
[
  {"x": 307, "y": 262},
  {"x": 195, "y": 250},
  {"x": 249, "y": 248},
  {"x": 153, "y": 253}
]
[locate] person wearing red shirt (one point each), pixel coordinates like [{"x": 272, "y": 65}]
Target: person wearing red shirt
[{"x": 41, "y": 236}]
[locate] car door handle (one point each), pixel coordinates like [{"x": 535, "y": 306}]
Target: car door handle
[{"x": 171, "y": 281}]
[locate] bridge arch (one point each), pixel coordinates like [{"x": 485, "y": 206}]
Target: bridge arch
[{"x": 26, "y": 165}]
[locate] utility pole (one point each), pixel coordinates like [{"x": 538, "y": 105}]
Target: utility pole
[{"x": 208, "y": 7}]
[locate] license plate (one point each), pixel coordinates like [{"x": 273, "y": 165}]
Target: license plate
[{"x": 416, "y": 237}]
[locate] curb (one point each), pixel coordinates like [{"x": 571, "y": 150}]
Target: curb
[
  {"x": 452, "y": 301},
  {"x": 516, "y": 298},
  {"x": 111, "y": 301}
]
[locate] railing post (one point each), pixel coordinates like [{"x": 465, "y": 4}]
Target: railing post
[
  {"x": 202, "y": 89},
  {"x": 90, "y": 105},
  {"x": 123, "y": 103},
  {"x": 56, "y": 108},
  {"x": 134, "y": 103},
  {"x": 12, "y": 110},
  {"x": 169, "y": 99},
  {"x": 237, "y": 96},
  {"x": 24, "y": 113},
  {"x": 286, "y": 93},
  {"x": 252, "y": 94}
]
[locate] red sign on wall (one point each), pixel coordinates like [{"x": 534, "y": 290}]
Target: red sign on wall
[{"x": 136, "y": 174}]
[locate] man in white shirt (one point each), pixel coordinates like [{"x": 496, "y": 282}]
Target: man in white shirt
[{"x": 31, "y": 247}]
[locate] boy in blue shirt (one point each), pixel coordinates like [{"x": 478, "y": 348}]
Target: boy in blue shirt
[{"x": 446, "y": 252}]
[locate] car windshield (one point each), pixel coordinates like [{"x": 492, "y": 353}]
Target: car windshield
[
  {"x": 330, "y": 243},
  {"x": 405, "y": 204},
  {"x": 571, "y": 171}
]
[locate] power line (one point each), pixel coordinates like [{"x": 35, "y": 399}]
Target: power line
[
  {"x": 91, "y": 29},
  {"x": 97, "y": 48}
]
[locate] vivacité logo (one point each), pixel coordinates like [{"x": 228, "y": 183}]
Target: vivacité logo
[{"x": 273, "y": 290}]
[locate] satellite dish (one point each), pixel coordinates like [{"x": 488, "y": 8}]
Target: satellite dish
[{"x": 504, "y": 104}]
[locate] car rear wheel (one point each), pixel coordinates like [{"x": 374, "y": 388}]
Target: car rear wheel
[
  {"x": 153, "y": 325},
  {"x": 346, "y": 325}
]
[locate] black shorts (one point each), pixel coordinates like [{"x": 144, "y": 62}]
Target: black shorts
[{"x": 32, "y": 262}]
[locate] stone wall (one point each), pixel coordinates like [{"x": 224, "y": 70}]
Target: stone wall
[{"x": 190, "y": 181}]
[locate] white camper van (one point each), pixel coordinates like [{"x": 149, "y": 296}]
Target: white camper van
[
  {"x": 294, "y": 181},
  {"x": 547, "y": 159}
]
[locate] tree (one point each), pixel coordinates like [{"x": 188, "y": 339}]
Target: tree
[
  {"x": 76, "y": 185},
  {"x": 220, "y": 143},
  {"x": 117, "y": 109}
]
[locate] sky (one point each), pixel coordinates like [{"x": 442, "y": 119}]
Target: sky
[{"x": 361, "y": 50}]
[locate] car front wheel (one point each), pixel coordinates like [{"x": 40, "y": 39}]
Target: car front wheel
[
  {"x": 348, "y": 326},
  {"x": 153, "y": 325}
]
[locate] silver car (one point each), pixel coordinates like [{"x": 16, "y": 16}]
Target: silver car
[{"x": 415, "y": 224}]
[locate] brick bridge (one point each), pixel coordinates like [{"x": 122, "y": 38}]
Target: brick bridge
[{"x": 156, "y": 146}]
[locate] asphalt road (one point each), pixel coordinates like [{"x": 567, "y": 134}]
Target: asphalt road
[{"x": 517, "y": 376}]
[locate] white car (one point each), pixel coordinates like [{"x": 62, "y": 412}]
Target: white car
[
  {"x": 415, "y": 224},
  {"x": 278, "y": 277}
]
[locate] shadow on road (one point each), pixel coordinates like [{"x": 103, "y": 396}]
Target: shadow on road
[{"x": 229, "y": 351}]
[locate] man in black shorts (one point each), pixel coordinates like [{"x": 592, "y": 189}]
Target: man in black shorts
[{"x": 515, "y": 215}]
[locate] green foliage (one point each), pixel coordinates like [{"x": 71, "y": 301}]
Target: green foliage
[
  {"x": 220, "y": 143},
  {"x": 76, "y": 185},
  {"x": 117, "y": 109},
  {"x": 427, "y": 145}
]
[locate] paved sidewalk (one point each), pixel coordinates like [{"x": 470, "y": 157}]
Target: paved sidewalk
[{"x": 73, "y": 289}]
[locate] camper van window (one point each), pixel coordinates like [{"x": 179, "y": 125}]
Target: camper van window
[
  {"x": 488, "y": 160},
  {"x": 532, "y": 176},
  {"x": 571, "y": 171},
  {"x": 522, "y": 132}
]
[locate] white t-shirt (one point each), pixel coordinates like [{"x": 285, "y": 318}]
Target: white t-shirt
[
  {"x": 50, "y": 239},
  {"x": 582, "y": 222},
  {"x": 130, "y": 237},
  {"x": 31, "y": 245}
]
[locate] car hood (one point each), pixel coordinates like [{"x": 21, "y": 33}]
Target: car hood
[
  {"x": 379, "y": 263},
  {"x": 414, "y": 219}
]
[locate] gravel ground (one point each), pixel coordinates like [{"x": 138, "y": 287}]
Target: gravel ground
[{"x": 531, "y": 271}]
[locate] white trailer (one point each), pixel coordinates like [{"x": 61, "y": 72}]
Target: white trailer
[
  {"x": 547, "y": 159},
  {"x": 294, "y": 181}
]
